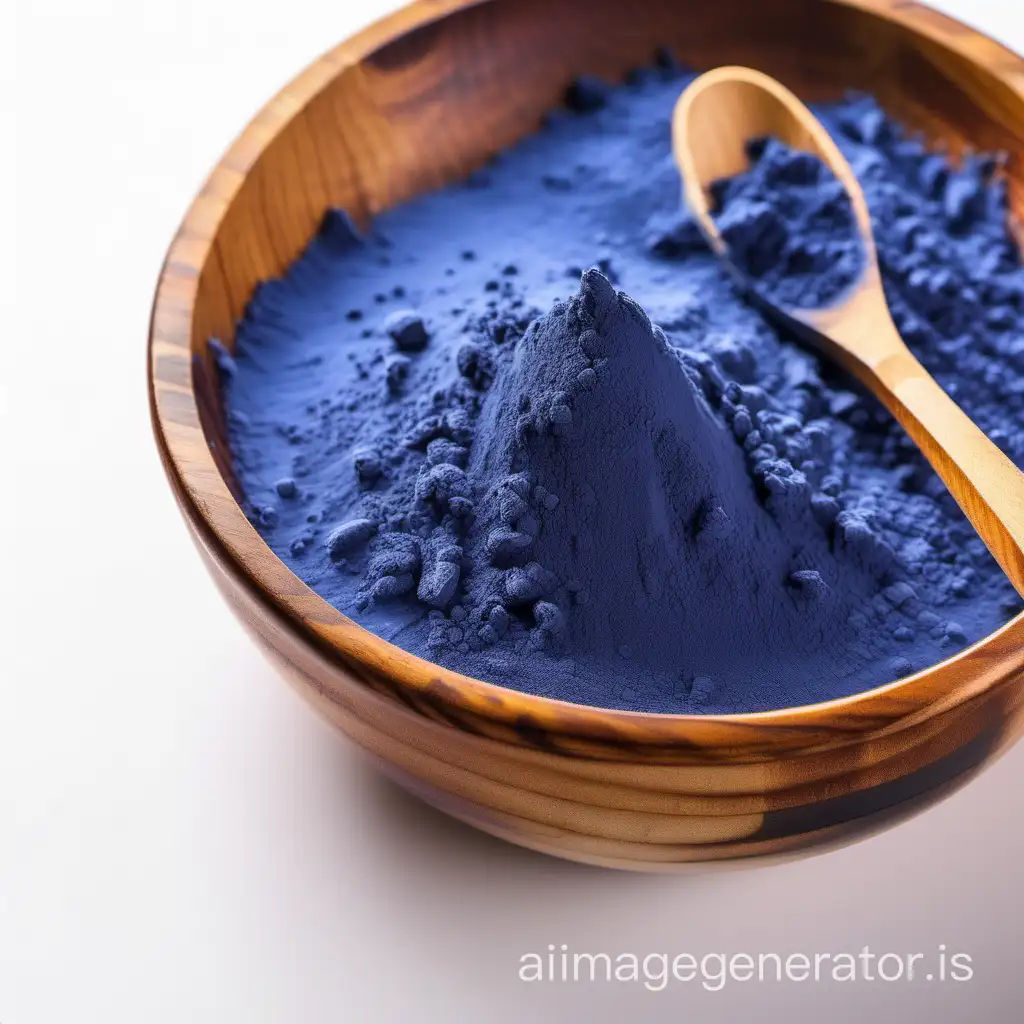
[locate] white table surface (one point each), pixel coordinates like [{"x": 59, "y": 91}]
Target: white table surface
[{"x": 181, "y": 840}]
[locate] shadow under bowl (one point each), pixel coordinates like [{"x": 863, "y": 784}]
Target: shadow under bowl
[{"x": 419, "y": 100}]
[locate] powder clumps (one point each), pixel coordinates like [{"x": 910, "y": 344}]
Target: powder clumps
[
  {"x": 790, "y": 226},
  {"x": 621, "y": 485},
  {"x": 407, "y": 330}
]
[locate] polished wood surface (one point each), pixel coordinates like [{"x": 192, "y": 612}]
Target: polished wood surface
[
  {"x": 420, "y": 99},
  {"x": 715, "y": 118}
]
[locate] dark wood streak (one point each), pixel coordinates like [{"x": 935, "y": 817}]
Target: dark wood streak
[
  {"x": 848, "y": 807},
  {"x": 417, "y": 100}
]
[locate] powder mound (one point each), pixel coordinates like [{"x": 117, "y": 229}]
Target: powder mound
[
  {"x": 789, "y": 226},
  {"x": 621, "y": 509}
]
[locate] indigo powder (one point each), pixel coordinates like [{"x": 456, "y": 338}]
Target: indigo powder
[
  {"x": 527, "y": 427},
  {"x": 789, "y": 227}
]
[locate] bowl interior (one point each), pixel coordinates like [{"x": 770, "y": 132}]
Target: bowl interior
[{"x": 424, "y": 97}]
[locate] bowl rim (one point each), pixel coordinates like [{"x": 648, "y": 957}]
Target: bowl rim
[{"x": 221, "y": 527}]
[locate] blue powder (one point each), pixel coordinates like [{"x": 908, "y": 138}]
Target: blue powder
[
  {"x": 621, "y": 485},
  {"x": 789, "y": 226}
]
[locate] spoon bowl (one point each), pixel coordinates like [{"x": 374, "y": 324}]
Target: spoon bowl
[{"x": 716, "y": 117}]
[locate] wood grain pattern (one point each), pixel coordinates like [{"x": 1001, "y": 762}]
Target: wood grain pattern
[
  {"x": 420, "y": 99},
  {"x": 717, "y": 115}
]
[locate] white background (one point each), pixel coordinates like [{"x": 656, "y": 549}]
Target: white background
[{"x": 180, "y": 839}]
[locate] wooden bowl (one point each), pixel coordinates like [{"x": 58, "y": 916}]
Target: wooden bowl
[{"x": 418, "y": 100}]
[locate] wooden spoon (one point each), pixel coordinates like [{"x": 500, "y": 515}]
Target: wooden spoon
[{"x": 713, "y": 120}]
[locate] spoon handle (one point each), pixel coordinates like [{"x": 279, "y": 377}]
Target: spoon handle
[
  {"x": 861, "y": 336},
  {"x": 985, "y": 483}
]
